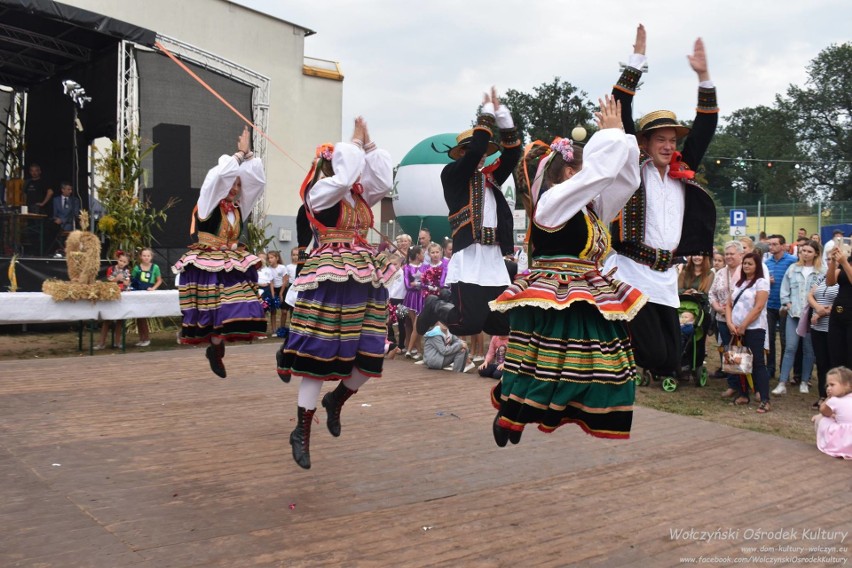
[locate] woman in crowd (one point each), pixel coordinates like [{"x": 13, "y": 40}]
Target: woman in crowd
[
  {"x": 799, "y": 279},
  {"x": 218, "y": 276},
  {"x": 840, "y": 321},
  {"x": 745, "y": 314},
  {"x": 821, "y": 299},
  {"x": 338, "y": 327},
  {"x": 696, "y": 277},
  {"x": 569, "y": 358},
  {"x": 720, "y": 290}
]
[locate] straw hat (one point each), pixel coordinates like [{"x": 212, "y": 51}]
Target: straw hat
[
  {"x": 661, "y": 119},
  {"x": 463, "y": 139}
]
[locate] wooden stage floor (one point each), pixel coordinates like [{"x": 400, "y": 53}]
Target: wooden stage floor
[{"x": 149, "y": 460}]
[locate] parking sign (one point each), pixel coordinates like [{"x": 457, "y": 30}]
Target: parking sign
[{"x": 738, "y": 222}]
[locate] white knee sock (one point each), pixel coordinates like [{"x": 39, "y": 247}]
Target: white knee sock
[
  {"x": 356, "y": 381},
  {"x": 309, "y": 390}
]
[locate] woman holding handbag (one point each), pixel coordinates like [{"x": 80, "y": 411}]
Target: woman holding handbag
[
  {"x": 745, "y": 316},
  {"x": 799, "y": 279}
]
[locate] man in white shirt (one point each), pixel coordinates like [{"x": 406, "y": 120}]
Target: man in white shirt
[{"x": 668, "y": 216}]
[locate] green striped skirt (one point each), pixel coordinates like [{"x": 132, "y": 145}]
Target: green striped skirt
[{"x": 567, "y": 366}]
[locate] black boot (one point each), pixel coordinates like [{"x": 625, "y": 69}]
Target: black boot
[
  {"x": 434, "y": 310},
  {"x": 333, "y": 403},
  {"x": 501, "y": 435},
  {"x": 281, "y": 368},
  {"x": 515, "y": 436},
  {"x": 214, "y": 355},
  {"x": 300, "y": 438}
]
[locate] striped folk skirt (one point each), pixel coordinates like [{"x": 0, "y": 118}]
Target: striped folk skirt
[
  {"x": 218, "y": 297},
  {"x": 335, "y": 328},
  {"x": 567, "y": 366}
]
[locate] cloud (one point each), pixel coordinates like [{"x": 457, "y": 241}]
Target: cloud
[{"x": 414, "y": 70}]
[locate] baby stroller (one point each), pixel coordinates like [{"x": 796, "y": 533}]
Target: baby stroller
[{"x": 692, "y": 347}]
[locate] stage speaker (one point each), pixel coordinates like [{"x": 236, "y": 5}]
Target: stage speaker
[{"x": 172, "y": 178}]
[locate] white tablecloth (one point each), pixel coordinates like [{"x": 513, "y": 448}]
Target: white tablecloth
[{"x": 37, "y": 307}]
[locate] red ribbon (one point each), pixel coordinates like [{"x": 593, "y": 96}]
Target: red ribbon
[
  {"x": 678, "y": 169},
  {"x": 488, "y": 169},
  {"x": 227, "y": 206},
  {"x": 357, "y": 188}
]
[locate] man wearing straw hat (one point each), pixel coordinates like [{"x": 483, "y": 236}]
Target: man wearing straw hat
[
  {"x": 481, "y": 223},
  {"x": 668, "y": 216}
]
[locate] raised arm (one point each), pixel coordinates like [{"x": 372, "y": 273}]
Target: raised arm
[
  {"x": 625, "y": 89},
  {"x": 706, "y": 113}
]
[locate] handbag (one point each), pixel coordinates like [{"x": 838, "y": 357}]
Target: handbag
[
  {"x": 804, "y": 326},
  {"x": 737, "y": 359}
]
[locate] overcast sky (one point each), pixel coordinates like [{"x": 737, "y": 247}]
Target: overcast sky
[{"x": 414, "y": 69}]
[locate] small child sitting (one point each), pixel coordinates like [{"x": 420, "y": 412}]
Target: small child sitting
[
  {"x": 833, "y": 424},
  {"x": 441, "y": 348},
  {"x": 687, "y": 327},
  {"x": 493, "y": 365}
]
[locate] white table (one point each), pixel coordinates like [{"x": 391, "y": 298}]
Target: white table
[{"x": 38, "y": 307}]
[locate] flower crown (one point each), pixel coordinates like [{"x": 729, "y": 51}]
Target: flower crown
[
  {"x": 565, "y": 147},
  {"x": 325, "y": 151}
]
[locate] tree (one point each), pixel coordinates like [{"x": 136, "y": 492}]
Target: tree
[
  {"x": 552, "y": 109},
  {"x": 822, "y": 115},
  {"x": 755, "y": 155}
]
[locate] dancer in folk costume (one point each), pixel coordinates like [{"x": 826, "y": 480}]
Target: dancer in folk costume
[
  {"x": 569, "y": 358},
  {"x": 218, "y": 276},
  {"x": 668, "y": 216},
  {"x": 337, "y": 330},
  {"x": 481, "y": 222}
]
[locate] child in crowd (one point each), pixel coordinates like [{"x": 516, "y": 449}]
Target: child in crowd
[
  {"x": 278, "y": 272},
  {"x": 289, "y": 278},
  {"x": 120, "y": 274},
  {"x": 492, "y": 367},
  {"x": 441, "y": 349},
  {"x": 145, "y": 276},
  {"x": 833, "y": 424},
  {"x": 413, "y": 301},
  {"x": 687, "y": 327},
  {"x": 435, "y": 273},
  {"x": 264, "y": 282}
]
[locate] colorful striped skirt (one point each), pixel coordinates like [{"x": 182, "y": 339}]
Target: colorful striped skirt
[
  {"x": 218, "y": 296},
  {"x": 335, "y": 328},
  {"x": 567, "y": 366}
]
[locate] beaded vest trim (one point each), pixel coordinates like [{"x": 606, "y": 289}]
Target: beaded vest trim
[{"x": 227, "y": 233}]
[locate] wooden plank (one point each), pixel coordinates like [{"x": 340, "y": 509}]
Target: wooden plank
[{"x": 163, "y": 464}]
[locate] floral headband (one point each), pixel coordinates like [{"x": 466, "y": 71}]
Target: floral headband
[
  {"x": 325, "y": 151},
  {"x": 565, "y": 147}
]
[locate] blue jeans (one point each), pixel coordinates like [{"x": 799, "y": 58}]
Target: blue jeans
[{"x": 790, "y": 352}]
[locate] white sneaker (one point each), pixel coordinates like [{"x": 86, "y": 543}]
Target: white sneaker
[
  {"x": 420, "y": 362},
  {"x": 99, "y": 347},
  {"x": 780, "y": 389},
  {"x": 143, "y": 343},
  {"x": 478, "y": 359},
  {"x": 469, "y": 366},
  {"x": 803, "y": 387}
]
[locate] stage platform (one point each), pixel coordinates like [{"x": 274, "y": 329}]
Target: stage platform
[{"x": 149, "y": 460}]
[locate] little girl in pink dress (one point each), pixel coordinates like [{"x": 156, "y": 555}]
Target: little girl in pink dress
[{"x": 834, "y": 422}]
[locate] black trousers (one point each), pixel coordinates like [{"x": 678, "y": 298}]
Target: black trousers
[
  {"x": 472, "y": 314},
  {"x": 655, "y": 336}
]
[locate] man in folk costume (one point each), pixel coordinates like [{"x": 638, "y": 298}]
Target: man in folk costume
[
  {"x": 337, "y": 330},
  {"x": 481, "y": 224},
  {"x": 668, "y": 216}
]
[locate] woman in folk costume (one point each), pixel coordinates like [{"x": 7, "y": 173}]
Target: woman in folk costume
[
  {"x": 218, "y": 276},
  {"x": 337, "y": 331},
  {"x": 569, "y": 357}
]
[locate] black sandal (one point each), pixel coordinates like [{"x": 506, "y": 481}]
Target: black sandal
[{"x": 818, "y": 403}]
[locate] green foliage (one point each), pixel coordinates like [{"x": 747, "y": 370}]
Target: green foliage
[
  {"x": 552, "y": 109},
  {"x": 822, "y": 116},
  {"x": 255, "y": 236},
  {"x": 129, "y": 222}
]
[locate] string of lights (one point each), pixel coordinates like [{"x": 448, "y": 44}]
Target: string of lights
[{"x": 769, "y": 162}]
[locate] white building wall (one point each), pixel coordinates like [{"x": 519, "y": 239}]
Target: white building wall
[{"x": 304, "y": 111}]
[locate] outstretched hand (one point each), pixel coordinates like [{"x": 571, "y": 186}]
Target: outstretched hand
[
  {"x": 610, "y": 113},
  {"x": 698, "y": 60},
  {"x": 639, "y": 46},
  {"x": 491, "y": 98},
  {"x": 360, "y": 132},
  {"x": 243, "y": 143}
]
